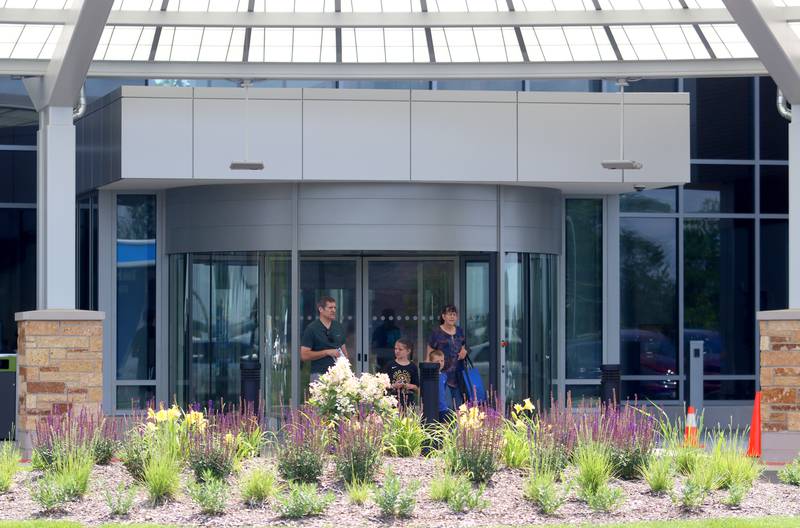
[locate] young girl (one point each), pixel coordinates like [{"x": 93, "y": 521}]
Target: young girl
[{"x": 403, "y": 373}]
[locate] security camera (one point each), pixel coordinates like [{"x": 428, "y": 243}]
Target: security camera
[
  {"x": 621, "y": 164},
  {"x": 639, "y": 187}
]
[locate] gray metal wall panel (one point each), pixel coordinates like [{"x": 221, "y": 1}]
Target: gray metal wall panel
[
  {"x": 361, "y": 217},
  {"x": 397, "y": 238}
]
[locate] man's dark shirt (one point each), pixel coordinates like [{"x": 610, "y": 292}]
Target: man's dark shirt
[{"x": 317, "y": 337}]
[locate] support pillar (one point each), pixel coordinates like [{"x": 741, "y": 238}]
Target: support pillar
[
  {"x": 794, "y": 211},
  {"x": 59, "y": 366},
  {"x": 55, "y": 210}
]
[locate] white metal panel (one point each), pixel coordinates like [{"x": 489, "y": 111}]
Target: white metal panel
[
  {"x": 566, "y": 142},
  {"x": 273, "y": 135},
  {"x": 658, "y": 137},
  {"x": 356, "y": 140},
  {"x": 463, "y": 141},
  {"x": 156, "y": 138}
]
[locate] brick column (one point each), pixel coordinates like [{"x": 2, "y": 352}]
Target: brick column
[
  {"x": 59, "y": 365},
  {"x": 780, "y": 384}
]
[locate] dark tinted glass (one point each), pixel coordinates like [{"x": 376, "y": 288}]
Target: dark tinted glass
[
  {"x": 584, "y": 287},
  {"x": 721, "y": 118},
  {"x": 650, "y": 390},
  {"x": 568, "y": 85},
  {"x": 774, "y": 265},
  {"x": 774, "y": 192},
  {"x": 479, "y": 85},
  {"x": 729, "y": 389},
  {"x": 719, "y": 189},
  {"x": 719, "y": 295},
  {"x": 135, "y": 396},
  {"x": 386, "y": 85},
  {"x": 774, "y": 129},
  {"x": 587, "y": 394},
  {"x": 17, "y": 271},
  {"x": 136, "y": 287},
  {"x": 17, "y": 176},
  {"x": 84, "y": 237},
  {"x": 21, "y": 134},
  {"x": 650, "y": 201},
  {"x": 648, "y": 296}
]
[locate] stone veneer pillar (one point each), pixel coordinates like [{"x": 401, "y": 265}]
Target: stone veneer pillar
[
  {"x": 59, "y": 365},
  {"x": 780, "y": 384}
]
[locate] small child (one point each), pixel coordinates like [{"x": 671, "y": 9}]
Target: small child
[
  {"x": 445, "y": 405},
  {"x": 403, "y": 373}
]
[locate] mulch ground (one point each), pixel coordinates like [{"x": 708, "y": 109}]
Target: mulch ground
[{"x": 504, "y": 493}]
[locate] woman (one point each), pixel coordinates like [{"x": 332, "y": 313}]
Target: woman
[{"x": 449, "y": 339}]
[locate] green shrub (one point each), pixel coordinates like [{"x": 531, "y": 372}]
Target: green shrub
[
  {"x": 258, "y": 486},
  {"x": 691, "y": 496},
  {"x": 628, "y": 461},
  {"x": 405, "y": 435},
  {"x": 659, "y": 474},
  {"x": 731, "y": 463},
  {"x": 516, "y": 451},
  {"x": 790, "y": 473},
  {"x": 120, "y": 500},
  {"x": 359, "y": 448},
  {"x": 302, "y": 499},
  {"x": 9, "y": 464},
  {"x": 541, "y": 489},
  {"x": 458, "y": 492},
  {"x": 301, "y": 455},
  {"x": 48, "y": 494},
  {"x": 472, "y": 441},
  {"x": 594, "y": 467},
  {"x": 605, "y": 498},
  {"x": 134, "y": 452},
  {"x": 699, "y": 483},
  {"x": 210, "y": 454},
  {"x": 394, "y": 498},
  {"x": 103, "y": 450},
  {"x": 358, "y": 492},
  {"x": 161, "y": 477},
  {"x": 210, "y": 493},
  {"x": 72, "y": 473},
  {"x": 686, "y": 458},
  {"x": 736, "y": 494}
]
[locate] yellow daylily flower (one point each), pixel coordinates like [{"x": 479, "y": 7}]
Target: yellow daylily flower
[
  {"x": 528, "y": 405},
  {"x": 517, "y": 408},
  {"x": 229, "y": 438}
]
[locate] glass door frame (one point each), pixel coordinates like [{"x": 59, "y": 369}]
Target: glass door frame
[
  {"x": 494, "y": 381},
  {"x": 363, "y": 355}
]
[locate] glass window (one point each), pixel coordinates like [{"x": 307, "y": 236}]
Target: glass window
[
  {"x": 24, "y": 134},
  {"x": 642, "y": 390},
  {"x": 17, "y": 271},
  {"x": 512, "y": 86},
  {"x": 650, "y": 201},
  {"x": 131, "y": 397},
  {"x": 719, "y": 294},
  {"x": 719, "y": 189},
  {"x": 648, "y": 297},
  {"x": 774, "y": 265},
  {"x": 583, "y": 258},
  {"x": 517, "y": 372},
  {"x": 386, "y": 85},
  {"x": 337, "y": 279},
  {"x": 729, "y": 390},
  {"x": 543, "y": 325},
  {"x": 774, "y": 144},
  {"x": 86, "y": 262},
  {"x": 17, "y": 176},
  {"x": 721, "y": 117},
  {"x": 774, "y": 191},
  {"x": 136, "y": 287},
  {"x": 583, "y": 394},
  {"x": 278, "y": 334},
  {"x": 566, "y": 85},
  {"x": 477, "y": 317}
]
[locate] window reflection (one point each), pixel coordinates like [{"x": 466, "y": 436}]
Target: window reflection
[{"x": 720, "y": 189}]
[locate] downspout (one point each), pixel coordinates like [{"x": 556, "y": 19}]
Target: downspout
[
  {"x": 79, "y": 112},
  {"x": 783, "y": 106}
]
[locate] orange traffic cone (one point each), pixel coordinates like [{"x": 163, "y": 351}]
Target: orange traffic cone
[
  {"x": 690, "y": 430},
  {"x": 754, "y": 445}
]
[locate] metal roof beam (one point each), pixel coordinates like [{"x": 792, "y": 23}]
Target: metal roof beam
[
  {"x": 773, "y": 40},
  {"x": 447, "y": 19},
  {"x": 65, "y": 73},
  {"x": 401, "y": 71}
]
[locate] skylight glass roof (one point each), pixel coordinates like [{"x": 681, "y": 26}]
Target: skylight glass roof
[
  {"x": 659, "y": 42},
  {"x": 727, "y": 41},
  {"x": 28, "y": 41}
]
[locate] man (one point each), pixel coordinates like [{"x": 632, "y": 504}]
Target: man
[{"x": 323, "y": 339}]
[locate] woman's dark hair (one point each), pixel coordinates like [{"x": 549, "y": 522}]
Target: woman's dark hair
[
  {"x": 448, "y": 308},
  {"x": 408, "y": 344}
]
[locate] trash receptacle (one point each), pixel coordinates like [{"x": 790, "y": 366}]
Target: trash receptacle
[
  {"x": 251, "y": 382},
  {"x": 429, "y": 378},
  {"x": 8, "y": 394}
]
